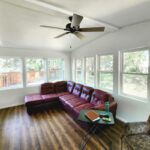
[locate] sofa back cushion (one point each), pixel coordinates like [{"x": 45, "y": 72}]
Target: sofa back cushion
[
  {"x": 99, "y": 97},
  {"x": 60, "y": 86},
  {"x": 86, "y": 93},
  {"x": 70, "y": 86},
  {"x": 77, "y": 89},
  {"x": 47, "y": 88}
]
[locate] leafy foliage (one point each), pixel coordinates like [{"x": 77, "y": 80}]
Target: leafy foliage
[
  {"x": 136, "y": 62},
  {"x": 10, "y": 64},
  {"x": 34, "y": 64},
  {"x": 106, "y": 63},
  {"x": 90, "y": 71}
]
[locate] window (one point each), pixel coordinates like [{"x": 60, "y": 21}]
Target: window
[
  {"x": 79, "y": 71},
  {"x": 134, "y": 73},
  {"x": 55, "y": 69},
  {"x": 35, "y": 71},
  {"x": 90, "y": 71},
  {"x": 10, "y": 73},
  {"x": 105, "y": 75}
]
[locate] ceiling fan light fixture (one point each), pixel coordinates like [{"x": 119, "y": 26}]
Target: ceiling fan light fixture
[{"x": 74, "y": 27}]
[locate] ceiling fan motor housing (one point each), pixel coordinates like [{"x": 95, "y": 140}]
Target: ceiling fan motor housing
[{"x": 71, "y": 29}]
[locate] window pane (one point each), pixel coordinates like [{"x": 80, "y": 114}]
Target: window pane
[
  {"x": 135, "y": 85},
  {"x": 35, "y": 70},
  {"x": 136, "y": 62},
  {"x": 90, "y": 71},
  {"x": 79, "y": 76},
  {"x": 73, "y": 69},
  {"x": 78, "y": 64},
  {"x": 106, "y": 63},
  {"x": 106, "y": 81},
  {"x": 55, "y": 69},
  {"x": 79, "y": 71},
  {"x": 10, "y": 73}
]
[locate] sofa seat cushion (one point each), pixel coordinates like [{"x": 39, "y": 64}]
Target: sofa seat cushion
[
  {"x": 50, "y": 97},
  {"x": 33, "y": 99},
  {"x": 62, "y": 94},
  {"x": 76, "y": 102},
  {"x": 143, "y": 141},
  {"x": 67, "y": 97},
  {"x": 83, "y": 106}
]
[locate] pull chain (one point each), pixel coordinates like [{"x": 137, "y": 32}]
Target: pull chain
[{"x": 70, "y": 41}]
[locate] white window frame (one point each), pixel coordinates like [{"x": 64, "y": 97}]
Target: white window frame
[
  {"x": 86, "y": 71},
  {"x": 45, "y": 70},
  {"x": 99, "y": 72},
  {"x": 63, "y": 68},
  {"x": 22, "y": 83},
  {"x": 121, "y": 61}
]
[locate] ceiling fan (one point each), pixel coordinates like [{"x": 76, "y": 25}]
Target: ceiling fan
[{"x": 74, "y": 27}]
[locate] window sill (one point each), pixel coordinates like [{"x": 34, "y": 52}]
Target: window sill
[
  {"x": 11, "y": 88},
  {"x": 33, "y": 84},
  {"x": 133, "y": 98},
  {"x": 106, "y": 90}
]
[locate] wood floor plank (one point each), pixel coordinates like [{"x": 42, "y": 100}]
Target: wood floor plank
[{"x": 50, "y": 130}]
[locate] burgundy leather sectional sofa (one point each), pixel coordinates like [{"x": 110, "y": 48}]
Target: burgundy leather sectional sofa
[{"x": 72, "y": 96}]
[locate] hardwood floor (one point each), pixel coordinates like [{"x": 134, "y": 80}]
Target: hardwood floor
[{"x": 50, "y": 130}]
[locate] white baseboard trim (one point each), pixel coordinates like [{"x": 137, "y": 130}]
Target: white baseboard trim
[
  {"x": 121, "y": 119},
  {"x": 17, "y": 104},
  {"x": 7, "y": 106}
]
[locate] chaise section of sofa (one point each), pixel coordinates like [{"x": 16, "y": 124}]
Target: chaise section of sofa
[{"x": 48, "y": 96}]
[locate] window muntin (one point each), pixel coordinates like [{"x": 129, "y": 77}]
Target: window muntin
[
  {"x": 79, "y": 71},
  {"x": 35, "y": 71},
  {"x": 55, "y": 69},
  {"x": 134, "y": 76},
  {"x": 106, "y": 72},
  {"x": 10, "y": 73},
  {"x": 90, "y": 71}
]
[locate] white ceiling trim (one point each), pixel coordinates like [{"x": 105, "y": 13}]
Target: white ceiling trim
[{"x": 43, "y": 4}]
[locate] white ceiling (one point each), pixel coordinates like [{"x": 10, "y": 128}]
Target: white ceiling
[
  {"x": 116, "y": 12},
  {"x": 20, "y": 20}
]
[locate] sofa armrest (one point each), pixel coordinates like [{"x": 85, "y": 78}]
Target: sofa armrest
[
  {"x": 112, "y": 107},
  {"x": 100, "y": 107}
]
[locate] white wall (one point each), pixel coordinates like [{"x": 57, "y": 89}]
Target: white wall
[
  {"x": 126, "y": 38},
  {"x": 13, "y": 97}
]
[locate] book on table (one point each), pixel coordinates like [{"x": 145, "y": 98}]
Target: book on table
[{"x": 92, "y": 115}]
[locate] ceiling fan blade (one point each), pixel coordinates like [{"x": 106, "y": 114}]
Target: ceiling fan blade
[
  {"x": 93, "y": 29},
  {"x": 79, "y": 35},
  {"x": 44, "y": 26},
  {"x": 61, "y": 35},
  {"x": 76, "y": 20}
]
